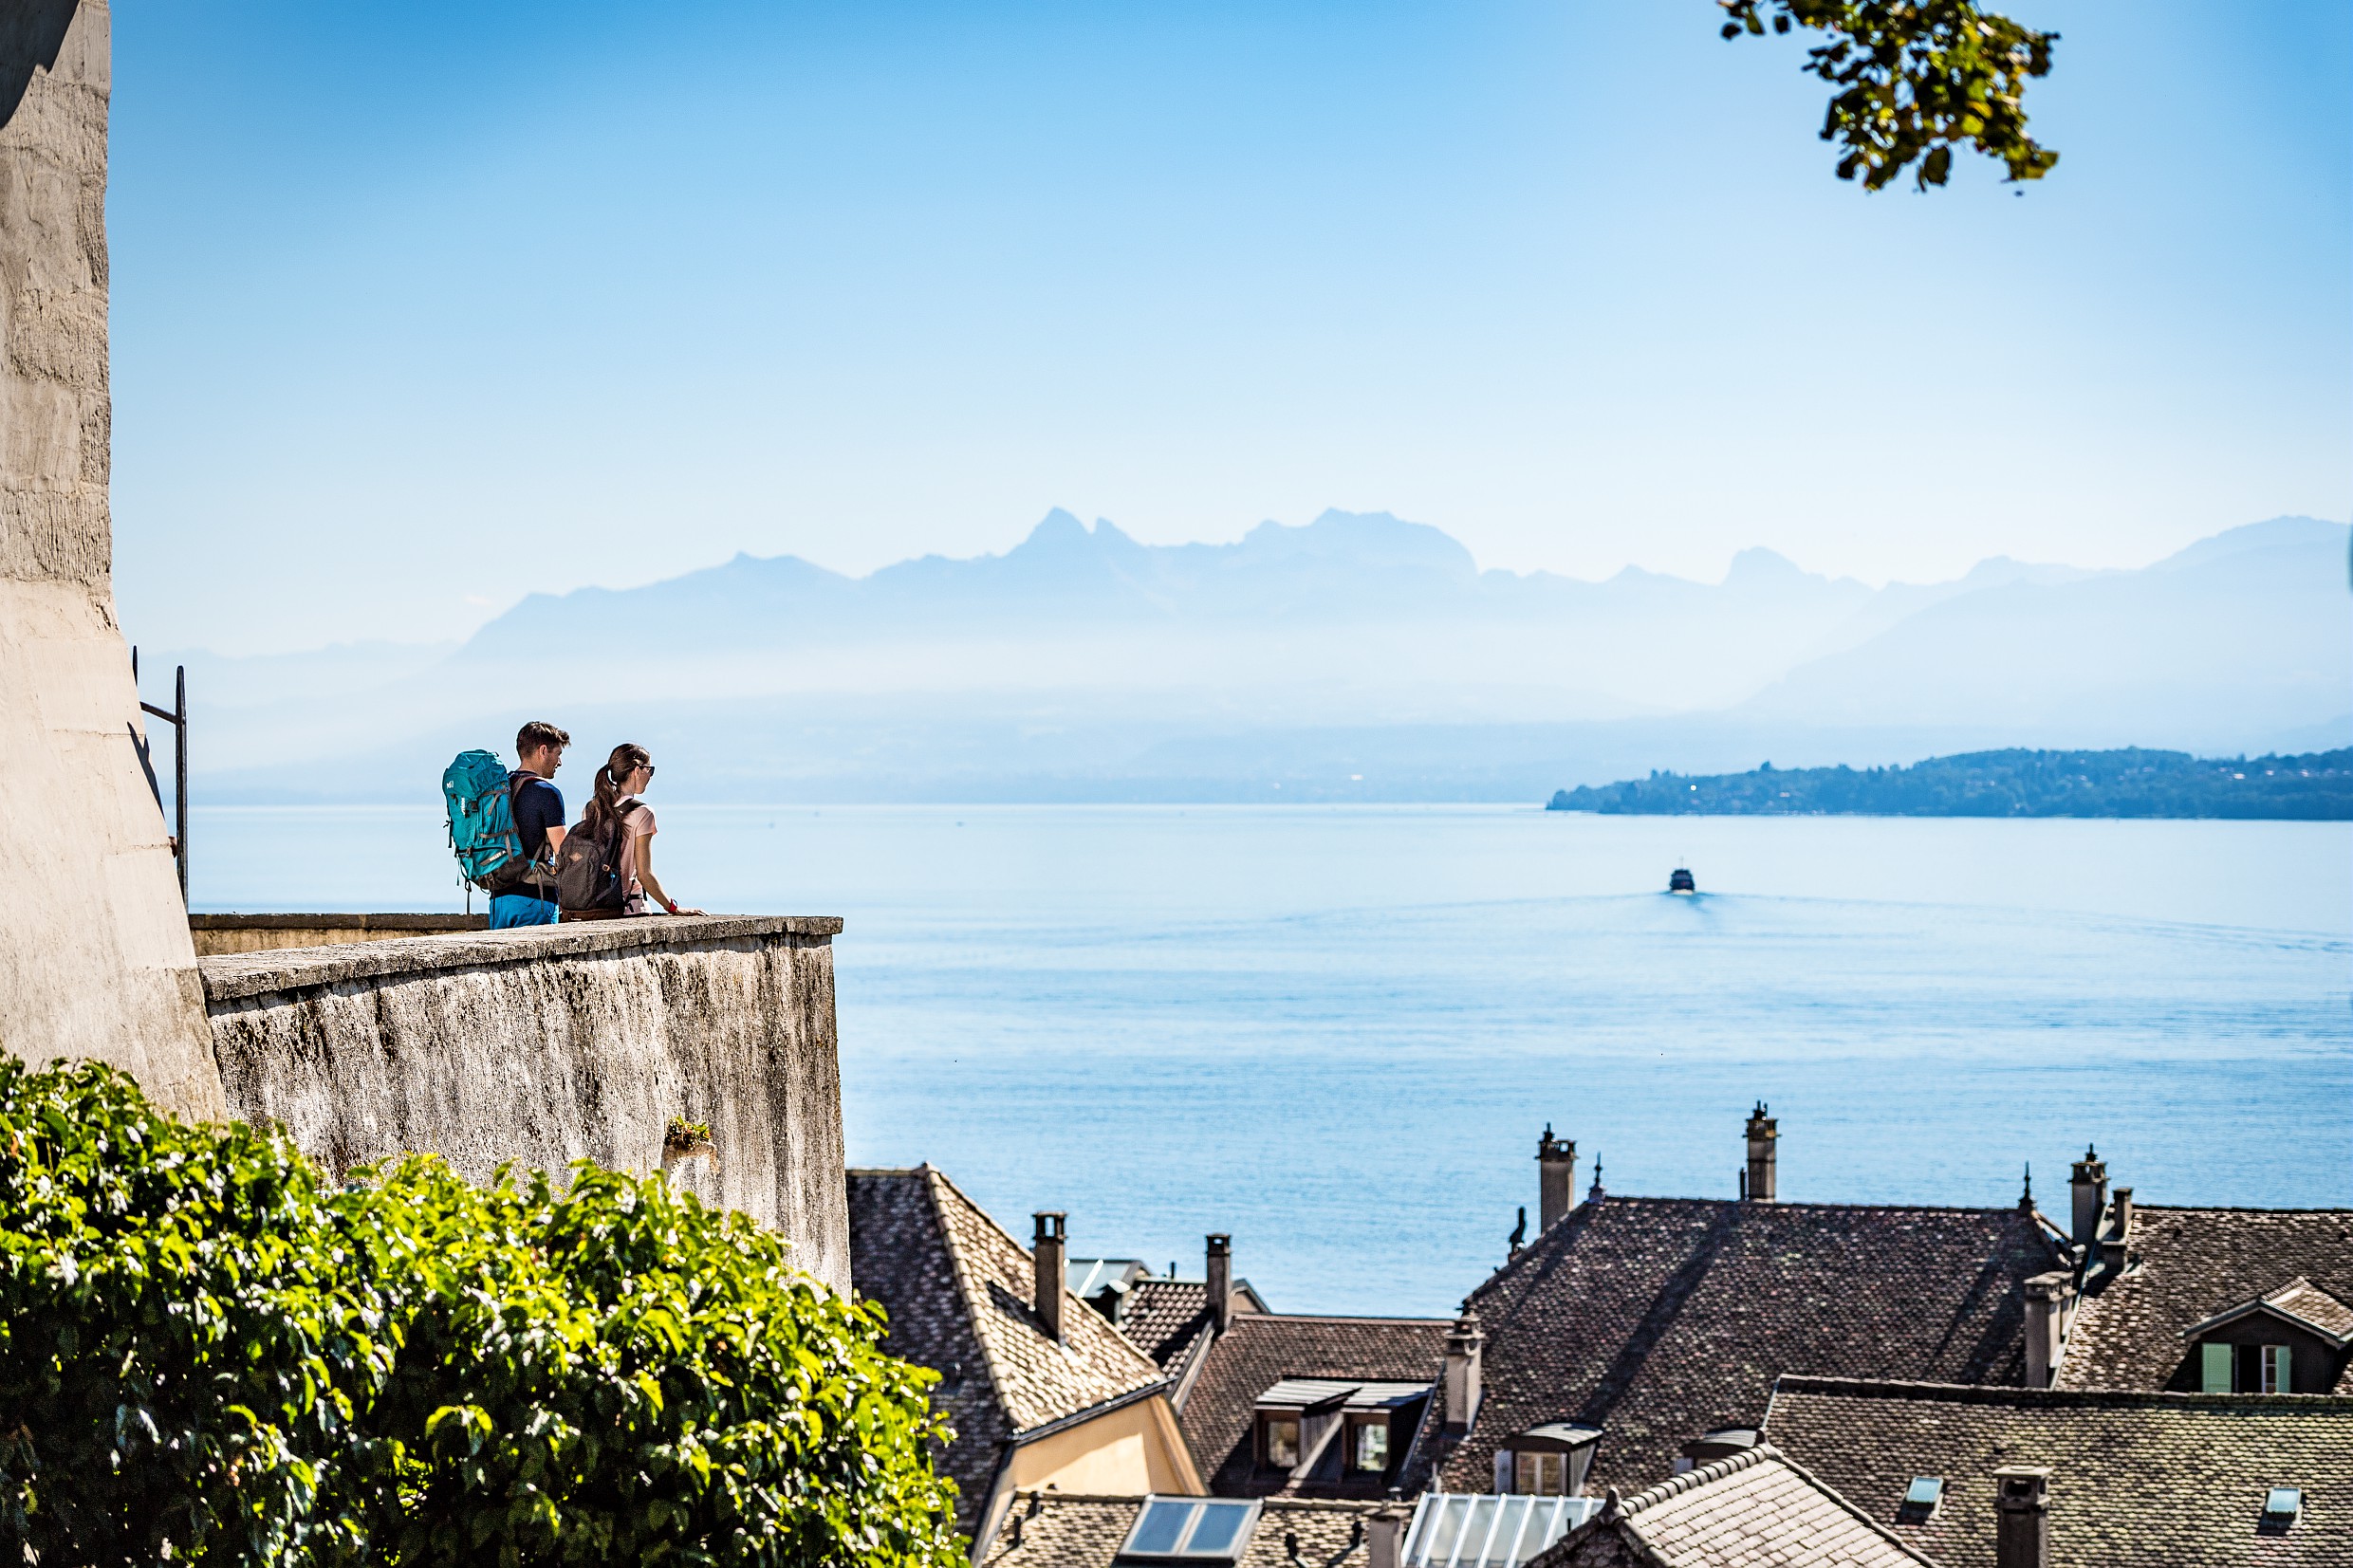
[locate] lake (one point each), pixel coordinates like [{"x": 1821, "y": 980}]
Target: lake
[{"x": 1336, "y": 1032}]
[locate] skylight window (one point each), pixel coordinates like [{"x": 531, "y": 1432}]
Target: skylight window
[
  {"x": 1924, "y": 1492},
  {"x": 1188, "y": 1529},
  {"x": 1468, "y": 1530},
  {"x": 2282, "y": 1504}
]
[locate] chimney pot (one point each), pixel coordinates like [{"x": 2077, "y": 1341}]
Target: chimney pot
[
  {"x": 2022, "y": 1517},
  {"x": 1050, "y": 1246},
  {"x": 1384, "y": 1538},
  {"x": 1465, "y": 1344},
  {"x": 1764, "y": 1134},
  {"x": 1220, "y": 1274},
  {"x": 1556, "y": 1178},
  {"x": 2091, "y": 1198}
]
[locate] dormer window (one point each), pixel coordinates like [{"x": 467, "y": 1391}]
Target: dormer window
[
  {"x": 2262, "y": 1345},
  {"x": 1329, "y": 1429},
  {"x": 1540, "y": 1475},
  {"x": 1278, "y": 1440},
  {"x": 2245, "y": 1368},
  {"x": 1547, "y": 1461}
]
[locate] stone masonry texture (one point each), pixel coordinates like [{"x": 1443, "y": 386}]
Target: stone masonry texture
[
  {"x": 554, "y": 1043},
  {"x": 95, "y": 956}
]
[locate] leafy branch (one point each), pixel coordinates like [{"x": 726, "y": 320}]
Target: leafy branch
[{"x": 1916, "y": 79}]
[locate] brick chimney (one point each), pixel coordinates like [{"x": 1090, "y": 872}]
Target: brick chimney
[
  {"x": 1464, "y": 1343},
  {"x": 1052, "y": 1248},
  {"x": 1384, "y": 1538},
  {"x": 1556, "y": 1178},
  {"x": 2021, "y": 1517},
  {"x": 2046, "y": 1324},
  {"x": 1763, "y": 1132},
  {"x": 1220, "y": 1282},
  {"x": 2091, "y": 1197}
]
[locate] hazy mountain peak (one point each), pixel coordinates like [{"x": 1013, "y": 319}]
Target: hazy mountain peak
[
  {"x": 2273, "y": 533},
  {"x": 1057, "y": 531},
  {"x": 1758, "y": 567},
  {"x": 1361, "y": 539}
]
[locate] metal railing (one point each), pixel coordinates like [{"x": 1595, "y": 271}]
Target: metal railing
[{"x": 177, "y": 716}]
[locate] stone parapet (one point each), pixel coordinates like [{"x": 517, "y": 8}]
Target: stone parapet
[{"x": 552, "y": 1043}]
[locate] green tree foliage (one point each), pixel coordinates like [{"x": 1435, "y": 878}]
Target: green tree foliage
[
  {"x": 1915, "y": 79},
  {"x": 208, "y": 1351},
  {"x": 2313, "y": 787}
]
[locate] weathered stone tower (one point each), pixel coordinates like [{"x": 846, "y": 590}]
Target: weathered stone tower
[{"x": 95, "y": 956}]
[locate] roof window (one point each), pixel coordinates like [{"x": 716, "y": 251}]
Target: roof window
[
  {"x": 1191, "y": 1529},
  {"x": 1921, "y": 1500},
  {"x": 2282, "y": 1505},
  {"x": 1472, "y": 1530}
]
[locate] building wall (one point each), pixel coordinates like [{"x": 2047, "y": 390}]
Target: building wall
[
  {"x": 1125, "y": 1452},
  {"x": 95, "y": 956},
  {"x": 554, "y": 1043}
]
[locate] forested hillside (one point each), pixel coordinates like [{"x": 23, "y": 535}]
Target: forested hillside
[{"x": 2132, "y": 782}]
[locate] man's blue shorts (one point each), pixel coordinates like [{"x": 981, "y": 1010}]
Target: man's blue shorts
[{"x": 520, "y": 908}]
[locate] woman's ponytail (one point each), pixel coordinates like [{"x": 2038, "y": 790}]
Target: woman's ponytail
[{"x": 604, "y": 814}]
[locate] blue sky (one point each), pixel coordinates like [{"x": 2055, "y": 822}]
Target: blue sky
[{"x": 420, "y": 307}]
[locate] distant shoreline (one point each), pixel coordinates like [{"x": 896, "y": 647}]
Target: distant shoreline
[{"x": 2132, "y": 782}]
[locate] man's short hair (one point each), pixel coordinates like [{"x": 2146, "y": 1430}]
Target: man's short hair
[{"x": 538, "y": 733}]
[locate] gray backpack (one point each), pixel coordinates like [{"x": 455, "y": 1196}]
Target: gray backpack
[{"x": 588, "y": 868}]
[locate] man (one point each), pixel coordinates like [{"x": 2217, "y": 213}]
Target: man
[{"x": 539, "y": 823}]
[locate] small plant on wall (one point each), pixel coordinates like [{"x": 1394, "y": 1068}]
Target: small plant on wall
[{"x": 688, "y": 1137}]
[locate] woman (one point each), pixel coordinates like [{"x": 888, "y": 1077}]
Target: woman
[{"x": 617, "y": 812}]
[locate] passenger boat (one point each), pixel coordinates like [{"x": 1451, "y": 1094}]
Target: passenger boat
[{"x": 1681, "y": 881}]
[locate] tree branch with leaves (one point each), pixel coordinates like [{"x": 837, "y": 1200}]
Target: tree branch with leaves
[{"x": 1916, "y": 79}]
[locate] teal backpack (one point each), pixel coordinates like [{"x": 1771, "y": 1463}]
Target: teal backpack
[{"x": 482, "y": 831}]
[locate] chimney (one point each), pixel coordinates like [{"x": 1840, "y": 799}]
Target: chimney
[
  {"x": 1556, "y": 1178},
  {"x": 2021, "y": 1517},
  {"x": 1384, "y": 1538},
  {"x": 1463, "y": 1344},
  {"x": 2115, "y": 1246},
  {"x": 1220, "y": 1282},
  {"x": 2047, "y": 1298},
  {"x": 1763, "y": 1132},
  {"x": 1053, "y": 1275},
  {"x": 2091, "y": 1196}
]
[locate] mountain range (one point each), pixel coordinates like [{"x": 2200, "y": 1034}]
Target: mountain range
[{"x": 1358, "y": 657}]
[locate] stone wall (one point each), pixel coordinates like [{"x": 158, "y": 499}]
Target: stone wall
[
  {"x": 554, "y": 1043},
  {"x": 222, "y": 934},
  {"x": 95, "y": 957}
]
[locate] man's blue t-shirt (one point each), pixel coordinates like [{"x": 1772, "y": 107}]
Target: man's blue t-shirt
[{"x": 538, "y": 806}]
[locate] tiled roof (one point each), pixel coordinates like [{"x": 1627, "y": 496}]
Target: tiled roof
[
  {"x": 2187, "y": 1264},
  {"x": 2307, "y": 1303},
  {"x": 1757, "y": 1509},
  {"x": 1258, "y": 1351},
  {"x": 1052, "y": 1530},
  {"x": 1162, "y": 1316},
  {"x": 2137, "y": 1478},
  {"x": 1660, "y": 1318},
  {"x": 957, "y": 1289}
]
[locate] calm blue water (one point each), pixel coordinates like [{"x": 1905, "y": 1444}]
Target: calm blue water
[{"x": 1337, "y": 1031}]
